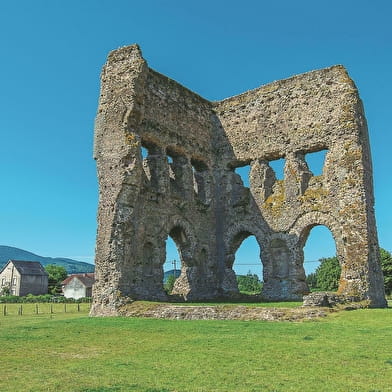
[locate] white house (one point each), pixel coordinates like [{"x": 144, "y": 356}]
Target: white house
[{"x": 78, "y": 285}]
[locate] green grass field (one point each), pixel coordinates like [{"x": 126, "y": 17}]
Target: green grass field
[
  {"x": 42, "y": 308},
  {"x": 347, "y": 351}
]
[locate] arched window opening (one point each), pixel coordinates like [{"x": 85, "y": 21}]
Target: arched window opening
[
  {"x": 240, "y": 192},
  {"x": 177, "y": 256},
  {"x": 316, "y": 161},
  {"x": 247, "y": 264},
  {"x": 177, "y": 170},
  {"x": 200, "y": 179},
  {"x": 151, "y": 156},
  {"x": 148, "y": 149},
  {"x": 277, "y": 166},
  {"x": 320, "y": 247}
]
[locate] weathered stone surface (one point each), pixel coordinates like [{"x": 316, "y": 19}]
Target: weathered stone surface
[
  {"x": 316, "y": 299},
  {"x": 221, "y": 312},
  {"x": 187, "y": 186},
  {"x": 328, "y": 299}
]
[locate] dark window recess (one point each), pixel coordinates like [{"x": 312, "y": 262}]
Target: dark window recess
[
  {"x": 177, "y": 170},
  {"x": 151, "y": 162},
  {"x": 200, "y": 179},
  {"x": 239, "y": 195}
]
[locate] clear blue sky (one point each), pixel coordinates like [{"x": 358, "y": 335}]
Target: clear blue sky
[{"x": 51, "y": 56}]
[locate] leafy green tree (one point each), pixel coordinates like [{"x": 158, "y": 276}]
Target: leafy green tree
[
  {"x": 169, "y": 284},
  {"x": 57, "y": 274},
  {"x": 311, "y": 280},
  {"x": 328, "y": 274},
  {"x": 386, "y": 265},
  {"x": 249, "y": 283},
  {"x": 5, "y": 290}
]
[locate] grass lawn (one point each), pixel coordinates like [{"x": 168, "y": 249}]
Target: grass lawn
[
  {"x": 42, "y": 308},
  {"x": 347, "y": 351}
]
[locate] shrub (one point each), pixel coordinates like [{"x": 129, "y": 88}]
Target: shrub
[
  {"x": 328, "y": 274},
  {"x": 311, "y": 280},
  {"x": 169, "y": 284},
  {"x": 57, "y": 274},
  {"x": 249, "y": 283}
]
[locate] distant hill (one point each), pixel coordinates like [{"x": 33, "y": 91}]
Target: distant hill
[{"x": 72, "y": 266}]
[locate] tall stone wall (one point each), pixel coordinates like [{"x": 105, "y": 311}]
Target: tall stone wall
[{"x": 184, "y": 185}]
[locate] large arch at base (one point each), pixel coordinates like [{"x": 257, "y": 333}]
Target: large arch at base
[
  {"x": 182, "y": 234},
  {"x": 234, "y": 239},
  {"x": 197, "y": 276},
  {"x": 238, "y": 233},
  {"x": 248, "y": 266},
  {"x": 320, "y": 244},
  {"x": 306, "y": 222},
  {"x": 303, "y": 226}
]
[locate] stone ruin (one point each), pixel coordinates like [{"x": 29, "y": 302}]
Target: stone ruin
[{"x": 187, "y": 187}]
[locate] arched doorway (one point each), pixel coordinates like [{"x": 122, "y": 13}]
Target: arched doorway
[
  {"x": 172, "y": 265},
  {"x": 318, "y": 244},
  {"x": 319, "y": 247},
  {"x": 248, "y": 266},
  {"x": 244, "y": 268},
  {"x": 179, "y": 253}
]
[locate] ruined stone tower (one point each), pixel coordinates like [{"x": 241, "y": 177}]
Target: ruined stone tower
[{"x": 186, "y": 186}]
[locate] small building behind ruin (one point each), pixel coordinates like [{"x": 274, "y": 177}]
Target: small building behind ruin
[
  {"x": 23, "y": 277},
  {"x": 78, "y": 285}
]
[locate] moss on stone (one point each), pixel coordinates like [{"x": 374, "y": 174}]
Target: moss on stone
[
  {"x": 275, "y": 202},
  {"x": 131, "y": 140},
  {"x": 351, "y": 157}
]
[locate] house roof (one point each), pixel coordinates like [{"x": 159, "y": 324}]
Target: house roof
[
  {"x": 27, "y": 267},
  {"x": 86, "y": 279}
]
